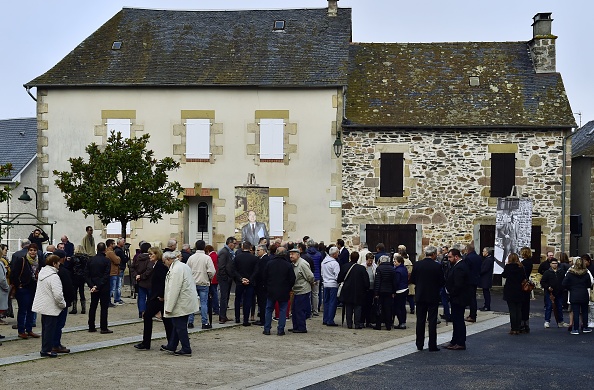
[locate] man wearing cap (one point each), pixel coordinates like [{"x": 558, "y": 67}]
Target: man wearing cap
[
  {"x": 69, "y": 295},
  {"x": 304, "y": 279}
]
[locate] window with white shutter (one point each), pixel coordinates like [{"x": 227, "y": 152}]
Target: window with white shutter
[
  {"x": 119, "y": 126},
  {"x": 115, "y": 229},
  {"x": 272, "y": 133},
  {"x": 276, "y": 212},
  {"x": 197, "y": 139}
]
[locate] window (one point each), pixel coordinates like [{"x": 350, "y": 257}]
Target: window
[
  {"x": 115, "y": 228},
  {"x": 272, "y": 139},
  {"x": 391, "y": 174},
  {"x": 279, "y": 25},
  {"x": 503, "y": 174},
  {"x": 275, "y": 205},
  {"x": 197, "y": 139},
  {"x": 119, "y": 125}
]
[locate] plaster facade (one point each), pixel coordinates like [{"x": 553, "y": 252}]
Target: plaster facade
[{"x": 306, "y": 178}]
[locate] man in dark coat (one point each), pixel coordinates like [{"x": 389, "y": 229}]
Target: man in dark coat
[
  {"x": 279, "y": 278},
  {"x": 385, "y": 288},
  {"x": 343, "y": 254},
  {"x": 97, "y": 277},
  {"x": 69, "y": 296},
  {"x": 353, "y": 290},
  {"x": 263, "y": 258},
  {"x": 428, "y": 279},
  {"x": 486, "y": 277},
  {"x": 458, "y": 290},
  {"x": 551, "y": 282},
  {"x": 225, "y": 276},
  {"x": 474, "y": 262},
  {"x": 245, "y": 280}
]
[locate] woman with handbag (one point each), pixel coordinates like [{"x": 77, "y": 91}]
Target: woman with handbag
[
  {"x": 526, "y": 255},
  {"x": 24, "y": 277},
  {"x": 579, "y": 282},
  {"x": 355, "y": 283},
  {"x": 513, "y": 272}
]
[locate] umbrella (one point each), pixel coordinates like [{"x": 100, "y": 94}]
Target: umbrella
[{"x": 554, "y": 308}]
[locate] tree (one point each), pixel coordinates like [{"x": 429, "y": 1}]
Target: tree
[
  {"x": 5, "y": 191},
  {"x": 122, "y": 181}
]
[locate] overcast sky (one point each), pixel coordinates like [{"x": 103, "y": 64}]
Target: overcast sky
[{"x": 36, "y": 34}]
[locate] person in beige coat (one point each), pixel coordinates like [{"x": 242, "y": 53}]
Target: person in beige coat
[
  {"x": 49, "y": 302},
  {"x": 181, "y": 300}
]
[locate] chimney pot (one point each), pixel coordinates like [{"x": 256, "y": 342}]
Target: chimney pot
[
  {"x": 542, "y": 24},
  {"x": 332, "y": 7}
]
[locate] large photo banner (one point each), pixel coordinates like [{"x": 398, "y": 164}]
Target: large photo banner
[
  {"x": 513, "y": 229},
  {"x": 252, "y": 214}
]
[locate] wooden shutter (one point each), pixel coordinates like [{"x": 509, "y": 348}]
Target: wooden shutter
[
  {"x": 276, "y": 210},
  {"x": 198, "y": 139},
  {"x": 392, "y": 174},
  {"x": 503, "y": 174},
  {"x": 119, "y": 125},
  {"x": 272, "y": 139}
]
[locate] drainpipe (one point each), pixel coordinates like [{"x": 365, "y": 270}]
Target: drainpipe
[
  {"x": 29, "y": 92},
  {"x": 563, "y": 189}
]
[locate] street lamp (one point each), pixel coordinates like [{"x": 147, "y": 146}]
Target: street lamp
[
  {"x": 26, "y": 198},
  {"x": 337, "y": 145}
]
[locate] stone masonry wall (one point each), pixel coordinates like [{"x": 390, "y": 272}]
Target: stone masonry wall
[{"x": 447, "y": 181}]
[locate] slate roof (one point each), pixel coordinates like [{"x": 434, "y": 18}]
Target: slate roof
[
  {"x": 210, "y": 48},
  {"x": 427, "y": 85},
  {"x": 582, "y": 142},
  {"x": 19, "y": 144}
]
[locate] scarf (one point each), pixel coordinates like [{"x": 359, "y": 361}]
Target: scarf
[{"x": 34, "y": 264}]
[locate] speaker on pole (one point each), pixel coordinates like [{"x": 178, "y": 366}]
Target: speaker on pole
[{"x": 575, "y": 224}]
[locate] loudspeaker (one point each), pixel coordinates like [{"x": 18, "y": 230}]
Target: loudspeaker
[{"x": 575, "y": 224}]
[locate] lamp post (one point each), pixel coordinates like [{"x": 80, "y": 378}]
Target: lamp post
[
  {"x": 337, "y": 145},
  {"x": 26, "y": 198}
]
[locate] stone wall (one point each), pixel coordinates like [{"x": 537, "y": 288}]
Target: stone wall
[{"x": 447, "y": 181}]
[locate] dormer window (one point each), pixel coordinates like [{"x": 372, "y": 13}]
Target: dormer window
[
  {"x": 117, "y": 45},
  {"x": 279, "y": 25}
]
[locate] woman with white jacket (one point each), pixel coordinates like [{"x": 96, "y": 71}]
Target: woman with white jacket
[{"x": 49, "y": 302}]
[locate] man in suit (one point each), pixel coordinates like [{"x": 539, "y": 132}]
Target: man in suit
[
  {"x": 97, "y": 278},
  {"x": 245, "y": 281},
  {"x": 474, "y": 262},
  {"x": 343, "y": 255},
  {"x": 263, "y": 258},
  {"x": 253, "y": 230},
  {"x": 457, "y": 288},
  {"x": 226, "y": 258},
  {"x": 427, "y": 276}
]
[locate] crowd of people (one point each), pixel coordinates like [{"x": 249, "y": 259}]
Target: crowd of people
[{"x": 280, "y": 281}]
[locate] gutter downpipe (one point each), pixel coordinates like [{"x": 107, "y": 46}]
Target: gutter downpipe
[
  {"x": 29, "y": 92},
  {"x": 563, "y": 185}
]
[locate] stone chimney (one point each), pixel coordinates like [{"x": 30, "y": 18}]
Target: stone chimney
[
  {"x": 542, "y": 44},
  {"x": 332, "y": 7}
]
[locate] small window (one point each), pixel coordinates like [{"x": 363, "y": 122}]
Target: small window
[
  {"x": 119, "y": 126},
  {"x": 475, "y": 81},
  {"x": 276, "y": 210},
  {"x": 198, "y": 139},
  {"x": 392, "y": 175},
  {"x": 116, "y": 45},
  {"x": 503, "y": 174},
  {"x": 115, "y": 228},
  {"x": 279, "y": 25},
  {"x": 272, "y": 133},
  {"x": 202, "y": 217}
]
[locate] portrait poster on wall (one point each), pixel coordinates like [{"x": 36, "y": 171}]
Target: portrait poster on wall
[
  {"x": 513, "y": 229},
  {"x": 252, "y": 214}
]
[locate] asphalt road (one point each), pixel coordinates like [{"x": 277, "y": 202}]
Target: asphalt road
[{"x": 544, "y": 359}]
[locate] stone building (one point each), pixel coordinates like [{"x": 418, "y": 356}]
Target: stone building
[
  {"x": 582, "y": 190},
  {"x": 434, "y": 133}
]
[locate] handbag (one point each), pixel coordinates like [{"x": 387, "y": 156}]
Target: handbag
[
  {"x": 591, "y": 295},
  {"x": 342, "y": 283},
  {"x": 527, "y": 284}
]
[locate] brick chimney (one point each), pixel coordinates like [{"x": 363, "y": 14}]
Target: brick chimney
[
  {"x": 542, "y": 44},
  {"x": 332, "y": 7}
]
